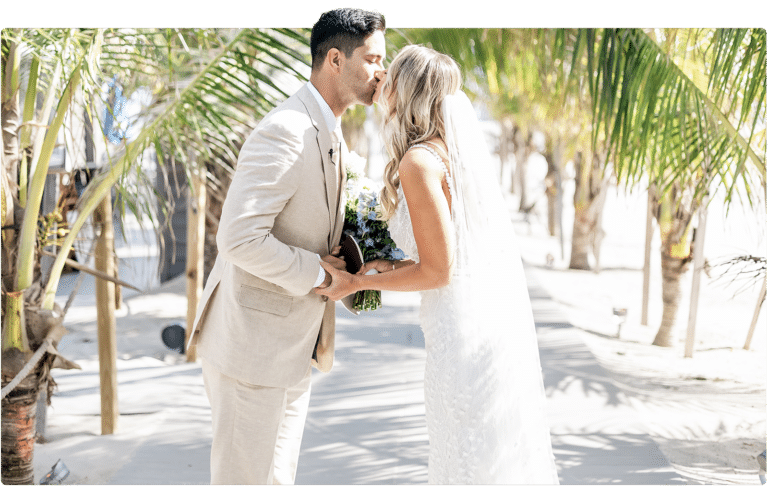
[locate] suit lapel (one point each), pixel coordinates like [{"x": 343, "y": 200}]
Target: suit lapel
[
  {"x": 341, "y": 210},
  {"x": 324, "y": 145},
  {"x": 331, "y": 180}
]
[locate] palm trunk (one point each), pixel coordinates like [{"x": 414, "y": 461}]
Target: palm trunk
[
  {"x": 11, "y": 113},
  {"x": 582, "y": 222},
  {"x": 18, "y": 426},
  {"x": 23, "y": 329},
  {"x": 588, "y": 203},
  {"x": 552, "y": 181},
  {"x": 672, "y": 271},
  {"x": 13, "y": 329},
  {"x": 506, "y": 143},
  {"x": 20, "y": 405},
  {"x": 676, "y": 249},
  {"x": 522, "y": 151}
]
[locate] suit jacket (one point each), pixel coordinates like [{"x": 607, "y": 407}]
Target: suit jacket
[{"x": 257, "y": 320}]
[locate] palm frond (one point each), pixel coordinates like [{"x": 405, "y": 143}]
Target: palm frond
[
  {"x": 235, "y": 87},
  {"x": 649, "y": 106}
]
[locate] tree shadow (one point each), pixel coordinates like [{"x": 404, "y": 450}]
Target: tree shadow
[
  {"x": 366, "y": 421},
  {"x": 565, "y": 359},
  {"x": 596, "y": 458}
]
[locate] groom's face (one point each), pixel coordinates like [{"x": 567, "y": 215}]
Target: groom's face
[{"x": 360, "y": 72}]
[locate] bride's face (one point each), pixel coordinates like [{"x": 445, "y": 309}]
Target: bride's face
[
  {"x": 386, "y": 96},
  {"x": 380, "y": 87}
]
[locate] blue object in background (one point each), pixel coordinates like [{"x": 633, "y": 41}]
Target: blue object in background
[{"x": 114, "y": 112}]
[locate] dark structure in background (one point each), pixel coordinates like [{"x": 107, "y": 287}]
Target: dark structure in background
[{"x": 172, "y": 191}]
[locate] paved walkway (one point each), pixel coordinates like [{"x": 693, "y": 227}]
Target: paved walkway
[{"x": 366, "y": 419}]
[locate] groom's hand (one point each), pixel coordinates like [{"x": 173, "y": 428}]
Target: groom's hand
[{"x": 336, "y": 261}]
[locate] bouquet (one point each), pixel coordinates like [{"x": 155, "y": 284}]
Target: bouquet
[{"x": 362, "y": 221}]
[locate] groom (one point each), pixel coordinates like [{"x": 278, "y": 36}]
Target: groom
[{"x": 259, "y": 326}]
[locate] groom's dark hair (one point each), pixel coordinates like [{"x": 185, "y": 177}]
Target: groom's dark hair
[{"x": 345, "y": 29}]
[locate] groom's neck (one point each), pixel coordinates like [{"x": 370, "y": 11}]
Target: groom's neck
[{"x": 328, "y": 89}]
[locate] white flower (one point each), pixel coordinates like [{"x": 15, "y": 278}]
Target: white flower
[{"x": 355, "y": 163}]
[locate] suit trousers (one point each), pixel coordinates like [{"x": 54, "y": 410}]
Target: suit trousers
[{"x": 257, "y": 430}]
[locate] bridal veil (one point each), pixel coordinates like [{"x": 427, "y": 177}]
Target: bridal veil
[{"x": 501, "y": 387}]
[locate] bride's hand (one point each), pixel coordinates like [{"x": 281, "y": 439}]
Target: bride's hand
[
  {"x": 342, "y": 283},
  {"x": 380, "y": 266}
]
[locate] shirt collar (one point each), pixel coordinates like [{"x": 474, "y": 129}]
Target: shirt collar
[{"x": 330, "y": 120}]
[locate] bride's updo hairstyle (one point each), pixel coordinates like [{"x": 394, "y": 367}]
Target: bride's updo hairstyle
[{"x": 418, "y": 80}]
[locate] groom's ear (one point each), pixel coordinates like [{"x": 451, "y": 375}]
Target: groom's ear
[{"x": 334, "y": 59}]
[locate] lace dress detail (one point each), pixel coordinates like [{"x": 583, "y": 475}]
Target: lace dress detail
[{"x": 464, "y": 437}]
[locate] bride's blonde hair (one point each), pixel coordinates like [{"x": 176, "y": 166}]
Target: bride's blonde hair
[{"x": 418, "y": 80}]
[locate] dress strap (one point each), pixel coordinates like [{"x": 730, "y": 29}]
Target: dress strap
[{"x": 448, "y": 177}]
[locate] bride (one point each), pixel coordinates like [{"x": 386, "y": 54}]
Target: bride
[{"x": 483, "y": 389}]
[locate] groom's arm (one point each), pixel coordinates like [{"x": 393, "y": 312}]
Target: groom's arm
[{"x": 268, "y": 173}]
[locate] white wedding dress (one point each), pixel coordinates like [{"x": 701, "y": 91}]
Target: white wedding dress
[{"x": 483, "y": 389}]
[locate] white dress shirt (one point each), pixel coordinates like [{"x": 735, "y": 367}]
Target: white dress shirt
[{"x": 332, "y": 123}]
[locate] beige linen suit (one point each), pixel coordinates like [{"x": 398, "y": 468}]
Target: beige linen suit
[{"x": 258, "y": 321}]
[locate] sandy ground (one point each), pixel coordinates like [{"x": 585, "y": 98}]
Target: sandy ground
[{"x": 706, "y": 414}]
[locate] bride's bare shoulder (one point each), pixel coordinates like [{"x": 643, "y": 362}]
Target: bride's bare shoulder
[{"x": 419, "y": 163}]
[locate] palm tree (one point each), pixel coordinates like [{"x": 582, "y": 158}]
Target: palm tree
[
  {"x": 686, "y": 109},
  {"x": 523, "y": 74},
  {"x": 683, "y": 108},
  {"x": 207, "y": 84}
]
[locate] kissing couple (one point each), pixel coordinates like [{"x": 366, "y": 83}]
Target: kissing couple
[{"x": 267, "y": 314}]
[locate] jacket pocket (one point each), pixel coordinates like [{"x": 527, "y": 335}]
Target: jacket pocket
[{"x": 265, "y": 300}]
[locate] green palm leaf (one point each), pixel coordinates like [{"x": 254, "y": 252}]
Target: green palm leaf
[{"x": 233, "y": 88}]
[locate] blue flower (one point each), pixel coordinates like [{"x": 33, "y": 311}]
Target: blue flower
[
  {"x": 369, "y": 242},
  {"x": 371, "y": 214},
  {"x": 398, "y": 254}
]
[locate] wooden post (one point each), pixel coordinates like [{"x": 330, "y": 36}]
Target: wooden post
[
  {"x": 698, "y": 266},
  {"x": 195, "y": 252},
  {"x": 105, "y": 311},
  {"x": 647, "y": 261},
  {"x": 760, "y": 301}
]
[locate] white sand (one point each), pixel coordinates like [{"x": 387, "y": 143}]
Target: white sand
[{"x": 706, "y": 413}]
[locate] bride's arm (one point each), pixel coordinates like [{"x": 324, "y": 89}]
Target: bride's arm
[{"x": 421, "y": 179}]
